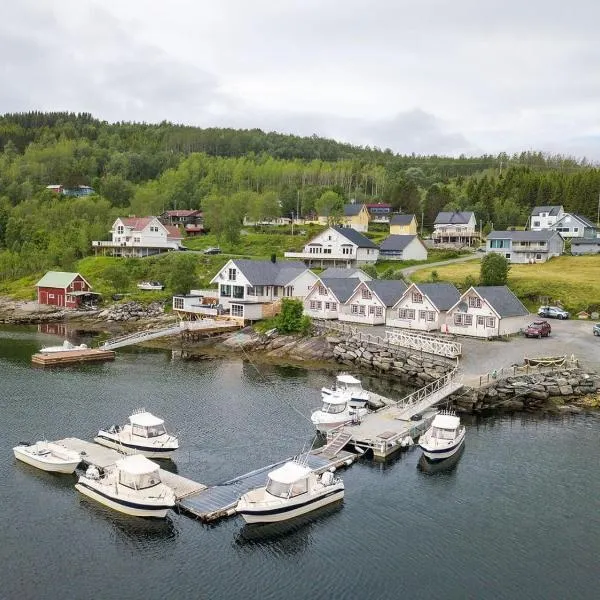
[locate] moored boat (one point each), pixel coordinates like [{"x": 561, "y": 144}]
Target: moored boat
[
  {"x": 144, "y": 434},
  {"x": 444, "y": 438},
  {"x": 48, "y": 456},
  {"x": 292, "y": 490},
  {"x": 66, "y": 347},
  {"x": 132, "y": 487},
  {"x": 150, "y": 286}
]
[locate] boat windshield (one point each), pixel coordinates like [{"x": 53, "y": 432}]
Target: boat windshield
[
  {"x": 443, "y": 434},
  {"x": 139, "y": 482},
  {"x": 286, "y": 490},
  {"x": 150, "y": 432},
  {"x": 333, "y": 408}
]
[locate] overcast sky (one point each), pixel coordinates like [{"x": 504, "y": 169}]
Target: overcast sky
[{"x": 423, "y": 76}]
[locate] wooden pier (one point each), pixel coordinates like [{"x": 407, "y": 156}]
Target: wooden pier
[
  {"x": 218, "y": 501},
  {"x": 69, "y": 357}
]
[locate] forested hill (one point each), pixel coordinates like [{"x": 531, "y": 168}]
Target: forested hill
[{"x": 139, "y": 168}]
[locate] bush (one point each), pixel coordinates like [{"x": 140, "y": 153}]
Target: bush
[{"x": 291, "y": 319}]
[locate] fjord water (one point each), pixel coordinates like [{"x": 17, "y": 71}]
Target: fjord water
[{"x": 517, "y": 517}]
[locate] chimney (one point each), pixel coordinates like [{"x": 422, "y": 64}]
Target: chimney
[{"x": 273, "y": 258}]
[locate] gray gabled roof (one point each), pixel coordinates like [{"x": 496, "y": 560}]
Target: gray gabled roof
[
  {"x": 341, "y": 273},
  {"x": 389, "y": 291},
  {"x": 341, "y": 288},
  {"x": 443, "y": 295},
  {"x": 523, "y": 236},
  {"x": 355, "y": 237},
  {"x": 583, "y": 220},
  {"x": 396, "y": 242},
  {"x": 585, "y": 241},
  {"x": 502, "y": 300},
  {"x": 402, "y": 219},
  {"x": 453, "y": 218},
  {"x": 551, "y": 210},
  {"x": 351, "y": 210},
  {"x": 265, "y": 272}
]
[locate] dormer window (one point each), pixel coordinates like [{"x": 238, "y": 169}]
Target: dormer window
[
  {"x": 120, "y": 229},
  {"x": 474, "y": 302},
  {"x": 232, "y": 274},
  {"x": 366, "y": 295},
  {"x": 417, "y": 298}
]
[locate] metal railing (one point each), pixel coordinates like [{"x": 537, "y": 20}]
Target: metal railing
[
  {"x": 526, "y": 369},
  {"x": 437, "y": 388}
]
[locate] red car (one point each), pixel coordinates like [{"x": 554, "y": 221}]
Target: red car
[{"x": 538, "y": 329}]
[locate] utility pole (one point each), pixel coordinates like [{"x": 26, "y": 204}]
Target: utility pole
[
  {"x": 298, "y": 203},
  {"x": 422, "y": 219},
  {"x": 292, "y": 222},
  {"x": 598, "y": 215}
]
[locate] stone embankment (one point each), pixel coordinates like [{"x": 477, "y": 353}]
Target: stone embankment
[
  {"x": 131, "y": 311},
  {"x": 24, "y": 312},
  {"x": 529, "y": 392}
]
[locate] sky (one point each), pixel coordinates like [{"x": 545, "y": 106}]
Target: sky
[{"x": 423, "y": 76}]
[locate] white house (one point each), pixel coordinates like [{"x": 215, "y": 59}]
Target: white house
[
  {"x": 338, "y": 246},
  {"x": 139, "y": 236},
  {"x": 371, "y": 300},
  {"x": 344, "y": 273},
  {"x": 543, "y": 217},
  {"x": 423, "y": 306},
  {"x": 455, "y": 228},
  {"x": 328, "y": 295},
  {"x": 402, "y": 247},
  {"x": 487, "y": 312},
  {"x": 575, "y": 226},
  {"x": 253, "y": 289},
  {"x": 524, "y": 247}
]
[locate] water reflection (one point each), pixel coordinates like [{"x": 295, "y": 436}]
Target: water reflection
[
  {"x": 447, "y": 465},
  {"x": 287, "y": 537}
]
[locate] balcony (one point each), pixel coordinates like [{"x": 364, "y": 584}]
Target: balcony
[
  {"x": 320, "y": 256},
  {"x": 516, "y": 247}
]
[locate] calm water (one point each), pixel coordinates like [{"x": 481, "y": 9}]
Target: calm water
[{"x": 518, "y": 516}]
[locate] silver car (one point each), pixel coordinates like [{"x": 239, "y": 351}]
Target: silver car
[{"x": 552, "y": 312}]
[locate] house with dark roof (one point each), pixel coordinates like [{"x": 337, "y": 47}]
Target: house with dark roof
[
  {"x": 328, "y": 295},
  {"x": 371, "y": 301},
  {"x": 355, "y": 215},
  {"x": 402, "y": 247},
  {"x": 455, "y": 228},
  {"x": 344, "y": 273},
  {"x": 253, "y": 289},
  {"x": 403, "y": 225},
  {"x": 338, "y": 247},
  {"x": 544, "y": 217},
  {"x": 423, "y": 306},
  {"x": 181, "y": 217},
  {"x": 575, "y": 226},
  {"x": 139, "y": 236},
  {"x": 522, "y": 247},
  {"x": 487, "y": 312},
  {"x": 379, "y": 212},
  {"x": 585, "y": 246}
]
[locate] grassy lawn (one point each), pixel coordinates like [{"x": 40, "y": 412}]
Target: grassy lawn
[{"x": 572, "y": 280}]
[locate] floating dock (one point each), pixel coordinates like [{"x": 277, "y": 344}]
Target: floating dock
[
  {"x": 69, "y": 357},
  {"x": 218, "y": 501}
]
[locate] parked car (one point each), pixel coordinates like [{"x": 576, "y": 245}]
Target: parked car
[
  {"x": 213, "y": 251},
  {"x": 552, "y": 312},
  {"x": 538, "y": 329},
  {"x": 596, "y": 329}
]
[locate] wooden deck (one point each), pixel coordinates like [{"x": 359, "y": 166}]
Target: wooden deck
[{"x": 69, "y": 357}]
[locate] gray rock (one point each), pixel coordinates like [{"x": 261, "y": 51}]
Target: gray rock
[{"x": 566, "y": 390}]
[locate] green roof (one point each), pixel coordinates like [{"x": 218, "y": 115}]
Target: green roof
[{"x": 56, "y": 279}]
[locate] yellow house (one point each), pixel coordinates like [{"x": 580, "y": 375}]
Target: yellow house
[
  {"x": 356, "y": 216},
  {"x": 403, "y": 225}
]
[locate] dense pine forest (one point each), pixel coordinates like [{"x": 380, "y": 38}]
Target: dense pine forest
[{"x": 142, "y": 169}]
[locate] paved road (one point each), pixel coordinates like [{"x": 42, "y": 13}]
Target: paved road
[{"x": 406, "y": 273}]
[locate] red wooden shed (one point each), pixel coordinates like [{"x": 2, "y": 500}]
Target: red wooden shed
[{"x": 63, "y": 289}]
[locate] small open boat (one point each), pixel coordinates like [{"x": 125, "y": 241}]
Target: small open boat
[
  {"x": 48, "y": 456},
  {"x": 150, "y": 286},
  {"x": 132, "y": 487},
  {"x": 66, "y": 347},
  {"x": 292, "y": 490}
]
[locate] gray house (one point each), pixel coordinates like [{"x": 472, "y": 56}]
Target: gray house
[
  {"x": 544, "y": 217},
  {"x": 575, "y": 226},
  {"x": 522, "y": 247},
  {"x": 402, "y": 247},
  {"x": 585, "y": 246}
]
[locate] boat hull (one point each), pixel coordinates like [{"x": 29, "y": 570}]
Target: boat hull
[
  {"x": 123, "y": 506},
  {"x": 284, "y": 513},
  {"x": 433, "y": 453},
  {"x": 110, "y": 441},
  {"x": 51, "y": 467}
]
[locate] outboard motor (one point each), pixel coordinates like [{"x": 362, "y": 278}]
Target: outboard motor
[
  {"x": 327, "y": 478},
  {"x": 92, "y": 472}
]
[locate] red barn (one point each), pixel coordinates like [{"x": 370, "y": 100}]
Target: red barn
[{"x": 63, "y": 289}]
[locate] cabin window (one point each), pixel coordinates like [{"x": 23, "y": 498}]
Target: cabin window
[
  {"x": 378, "y": 311},
  {"x": 431, "y": 315},
  {"x": 139, "y": 482},
  {"x": 422, "y": 315},
  {"x": 354, "y": 309},
  {"x": 371, "y": 310},
  {"x": 334, "y": 306},
  {"x": 327, "y": 251},
  {"x": 277, "y": 489},
  {"x": 232, "y": 274},
  {"x": 333, "y": 409},
  {"x": 406, "y": 313},
  {"x": 536, "y": 224},
  {"x": 226, "y": 291},
  {"x": 474, "y": 302},
  {"x": 322, "y": 290},
  {"x": 490, "y": 322},
  {"x": 463, "y": 319},
  {"x": 237, "y": 310},
  {"x": 327, "y": 305},
  {"x": 178, "y": 303},
  {"x": 443, "y": 434},
  {"x": 346, "y": 250},
  {"x": 417, "y": 298},
  {"x": 538, "y": 257},
  {"x": 481, "y": 321},
  {"x": 366, "y": 295},
  {"x": 137, "y": 240},
  {"x": 313, "y": 305},
  {"x": 299, "y": 487},
  {"x": 362, "y": 310},
  {"x": 238, "y": 292}
]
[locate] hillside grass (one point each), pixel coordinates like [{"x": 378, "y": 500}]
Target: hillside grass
[{"x": 574, "y": 281}]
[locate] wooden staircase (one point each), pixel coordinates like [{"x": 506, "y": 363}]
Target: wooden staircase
[{"x": 336, "y": 445}]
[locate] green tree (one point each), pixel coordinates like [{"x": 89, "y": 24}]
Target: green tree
[
  {"x": 292, "y": 319},
  {"x": 494, "y": 270},
  {"x": 331, "y": 205},
  {"x": 182, "y": 277},
  {"x": 117, "y": 276},
  {"x": 370, "y": 270}
]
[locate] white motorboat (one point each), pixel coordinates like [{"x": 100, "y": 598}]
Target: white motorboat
[
  {"x": 151, "y": 286},
  {"x": 352, "y": 387},
  {"x": 48, "y": 456},
  {"x": 144, "y": 434},
  {"x": 444, "y": 438},
  {"x": 292, "y": 490},
  {"x": 66, "y": 347},
  {"x": 132, "y": 487}
]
